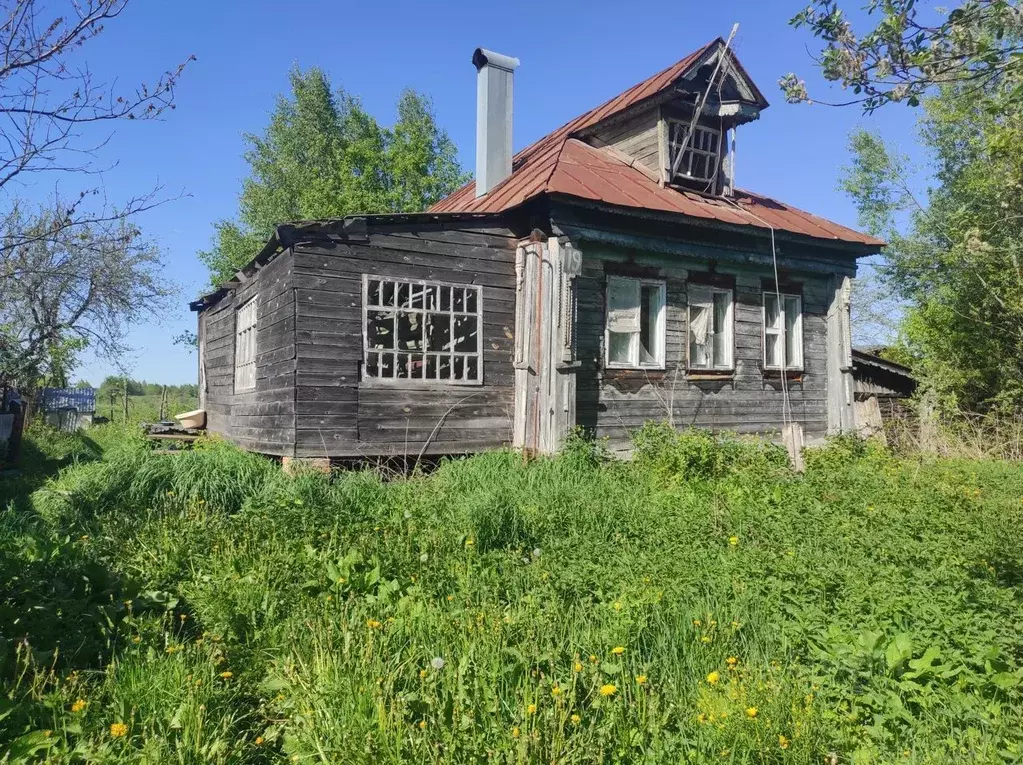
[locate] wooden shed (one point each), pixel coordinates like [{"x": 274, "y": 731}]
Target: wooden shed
[{"x": 608, "y": 274}]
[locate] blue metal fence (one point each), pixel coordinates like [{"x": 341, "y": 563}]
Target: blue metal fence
[{"x": 79, "y": 399}]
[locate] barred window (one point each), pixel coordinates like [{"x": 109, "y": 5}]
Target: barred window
[
  {"x": 245, "y": 347},
  {"x": 700, "y": 155},
  {"x": 422, "y": 331}
]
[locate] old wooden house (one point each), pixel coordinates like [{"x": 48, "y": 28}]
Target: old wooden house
[{"x": 608, "y": 274}]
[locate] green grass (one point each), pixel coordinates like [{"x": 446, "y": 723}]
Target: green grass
[{"x": 220, "y": 611}]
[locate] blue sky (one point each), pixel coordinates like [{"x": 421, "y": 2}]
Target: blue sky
[{"x": 574, "y": 55}]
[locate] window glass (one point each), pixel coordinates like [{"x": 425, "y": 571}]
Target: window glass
[
  {"x": 783, "y": 331},
  {"x": 710, "y": 328},
  {"x": 635, "y": 322}
]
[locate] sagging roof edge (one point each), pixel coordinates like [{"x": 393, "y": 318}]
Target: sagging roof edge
[
  {"x": 354, "y": 228},
  {"x": 350, "y": 228},
  {"x": 872, "y": 359}
]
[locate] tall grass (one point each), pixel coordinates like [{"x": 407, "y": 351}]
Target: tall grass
[{"x": 701, "y": 603}]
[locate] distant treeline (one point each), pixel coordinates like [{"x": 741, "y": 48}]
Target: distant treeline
[{"x": 114, "y": 385}]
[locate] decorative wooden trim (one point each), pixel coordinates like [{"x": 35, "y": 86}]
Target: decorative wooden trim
[{"x": 712, "y": 279}]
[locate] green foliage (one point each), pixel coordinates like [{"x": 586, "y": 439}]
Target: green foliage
[
  {"x": 323, "y": 156},
  {"x": 225, "y": 612},
  {"x": 908, "y": 52},
  {"x": 955, "y": 257}
]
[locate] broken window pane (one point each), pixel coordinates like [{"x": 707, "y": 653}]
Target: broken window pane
[
  {"x": 465, "y": 334},
  {"x": 410, "y": 331},
  {"x": 424, "y": 338},
  {"x": 373, "y": 292},
  {"x": 438, "y": 332},
  {"x": 372, "y": 365},
  {"x": 380, "y": 329}
]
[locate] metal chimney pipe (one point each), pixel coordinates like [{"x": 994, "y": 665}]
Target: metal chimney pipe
[{"x": 495, "y": 75}]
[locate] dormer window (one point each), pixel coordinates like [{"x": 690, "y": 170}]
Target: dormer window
[{"x": 695, "y": 157}]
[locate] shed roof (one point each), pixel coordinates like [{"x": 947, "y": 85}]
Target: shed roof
[{"x": 561, "y": 163}]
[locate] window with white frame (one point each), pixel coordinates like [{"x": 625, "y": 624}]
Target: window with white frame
[
  {"x": 700, "y": 154},
  {"x": 635, "y": 323},
  {"x": 710, "y": 328},
  {"x": 245, "y": 346},
  {"x": 783, "y": 331},
  {"x": 422, "y": 331}
]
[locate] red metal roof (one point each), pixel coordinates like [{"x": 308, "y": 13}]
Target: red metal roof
[{"x": 559, "y": 163}]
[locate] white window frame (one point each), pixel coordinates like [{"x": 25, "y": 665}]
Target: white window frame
[
  {"x": 659, "y": 335},
  {"x": 700, "y": 290},
  {"x": 453, "y": 357},
  {"x": 704, "y": 141},
  {"x": 245, "y": 319},
  {"x": 797, "y": 363}
]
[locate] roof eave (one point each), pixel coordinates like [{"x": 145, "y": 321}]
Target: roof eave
[{"x": 857, "y": 249}]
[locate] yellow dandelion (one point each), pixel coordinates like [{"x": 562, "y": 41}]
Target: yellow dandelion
[
  {"x": 609, "y": 689},
  {"x": 731, "y": 661},
  {"x": 422, "y": 725},
  {"x": 227, "y": 675},
  {"x": 79, "y": 706},
  {"x": 733, "y": 541},
  {"x": 469, "y": 543},
  {"x": 697, "y": 623},
  {"x": 515, "y": 732},
  {"x": 531, "y": 709},
  {"x": 556, "y": 691},
  {"x": 578, "y": 666},
  {"x": 373, "y": 624},
  {"x": 618, "y": 650},
  {"x": 576, "y": 719},
  {"x": 259, "y": 740},
  {"x": 725, "y": 752},
  {"x": 783, "y": 742},
  {"x": 751, "y": 712},
  {"x": 713, "y": 677},
  {"x": 617, "y": 605},
  {"x": 701, "y": 718},
  {"x": 736, "y": 625},
  {"x": 593, "y": 659},
  {"x": 641, "y": 679},
  {"x": 705, "y": 639},
  {"x": 450, "y": 598},
  {"x": 118, "y": 729}
]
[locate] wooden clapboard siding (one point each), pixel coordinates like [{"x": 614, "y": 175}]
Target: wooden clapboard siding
[
  {"x": 261, "y": 419},
  {"x": 613, "y": 405},
  {"x": 338, "y": 415},
  {"x": 637, "y": 137}
]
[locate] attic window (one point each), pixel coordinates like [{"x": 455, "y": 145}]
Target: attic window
[
  {"x": 420, "y": 331},
  {"x": 697, "y": 166}
]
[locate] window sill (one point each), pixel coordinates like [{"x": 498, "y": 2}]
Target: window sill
[
  {"x": 412, "y": 384},
  {"x": 634, "y": 373},
  {"x": 705, "y": 375}
]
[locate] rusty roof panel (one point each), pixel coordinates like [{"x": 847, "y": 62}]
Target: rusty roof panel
[{"x": 560, "y": 163}]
